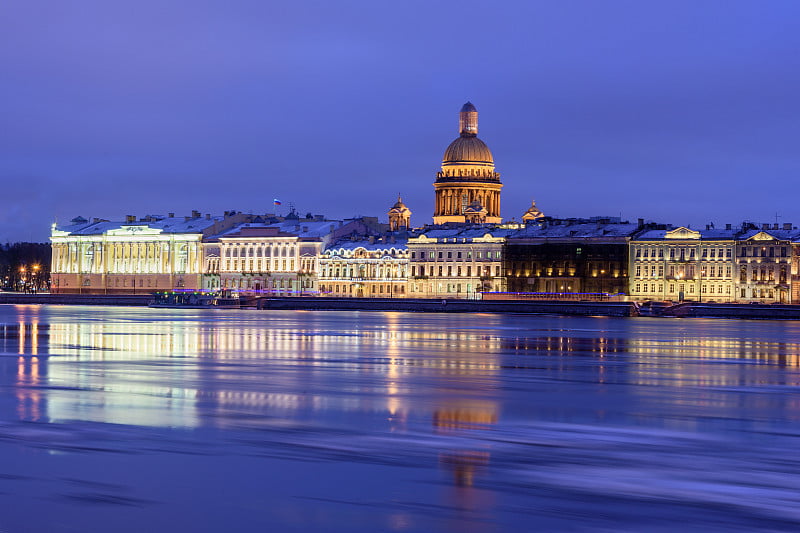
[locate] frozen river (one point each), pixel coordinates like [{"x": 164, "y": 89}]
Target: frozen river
[{"x": 130, "y": 419}]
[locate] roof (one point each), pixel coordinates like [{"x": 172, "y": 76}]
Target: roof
[
  {"x": 348, "y": 244},
  {"x": 166, "y": 225},
  {"x": 580, "y": 230},
  {"x": 466, "y": 151}
]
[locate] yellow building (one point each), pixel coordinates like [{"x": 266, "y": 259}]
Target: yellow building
[
  {"x": 154, "y": 253},
  {"x": 457, "y": 263},
  {"x": 467, "y": 188},
  {"x": 683, "y": 264},
  {"x": 764, "y": 269}
]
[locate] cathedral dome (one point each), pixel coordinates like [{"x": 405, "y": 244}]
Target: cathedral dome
[{"x": 467, "y": 149}]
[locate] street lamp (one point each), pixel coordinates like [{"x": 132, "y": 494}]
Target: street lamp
[{"x": 35, "y": 277}]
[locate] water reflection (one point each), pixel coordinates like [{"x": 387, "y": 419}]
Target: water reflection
[{"x": 488, "y": 418}]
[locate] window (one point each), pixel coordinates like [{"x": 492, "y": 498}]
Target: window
[
  {"x": 440, "y": 255},
  {"x": 713, "y": 254},
  {"x": 440, "y": 271},
  {"x": 458, "y": 255},
  {"x": 637, "y": 288},
  {"x": 638, "y": 254},
  {"x": 413, "y": 255},
  {"x": 421, "y": 255},
  {"x": 449, "y": 255}
]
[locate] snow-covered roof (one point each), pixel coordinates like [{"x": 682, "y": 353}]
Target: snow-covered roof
[{"x": 165, "y": 224}]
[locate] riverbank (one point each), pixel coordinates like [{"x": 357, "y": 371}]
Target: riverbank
[
  {"x": 76, "y": 299},
  {"x": 552, "y": 307},
  {"x": 573, "y": 308}
]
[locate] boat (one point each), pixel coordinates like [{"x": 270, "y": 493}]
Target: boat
[{"x": 195, "y": 300}]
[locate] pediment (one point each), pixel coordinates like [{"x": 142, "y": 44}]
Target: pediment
[
  {"x": 762, "y": 236},
  {"x": 682, "y": 233},
  {"x": 134, "y": 230}
]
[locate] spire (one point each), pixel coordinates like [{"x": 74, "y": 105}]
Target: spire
[{"x": 468, "y": 120}]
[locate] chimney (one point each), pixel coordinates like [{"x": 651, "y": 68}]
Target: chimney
[
  {"x": 764, "y": 226},
  {"x": 208, "y": 216},
  {"x": 641, "y": 222},
  {"x": 787, "y": 225},
  {"x": 171, "y": 215},
  {"x": 372, "y": 239},
  {"x": 96, "y": 220},
  {"x": 187, "y": 219},
  {"x": 727, "y": 226},
  {"x": 130, "y": 218}
]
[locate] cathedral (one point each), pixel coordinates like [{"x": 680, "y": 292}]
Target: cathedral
[{"x": 467, "y": 188}]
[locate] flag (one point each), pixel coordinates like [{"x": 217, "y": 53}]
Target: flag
[{"x": 276, "y": 201}]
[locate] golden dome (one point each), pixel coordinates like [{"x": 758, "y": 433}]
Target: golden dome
[{"x": 467, "y": 150}]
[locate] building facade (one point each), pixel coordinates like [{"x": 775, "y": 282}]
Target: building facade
[
  {"x": 141, "y": 256},
  {"x": 569, "y": 258},
  {"x": 281, "y": 259},
  {"x": 684, "y": 264},
  {"x": 365, "y": 268},
  {"x": 766, "y": 265},
  {"x": 457, "y": 262}
]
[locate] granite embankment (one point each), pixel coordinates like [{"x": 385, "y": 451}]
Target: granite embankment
[
  {"x": 75, "y": 299},
  {"x": 451, "y": 306},
  {"x": 577, "y": 308},
  {"x": 752, "y": 311}
]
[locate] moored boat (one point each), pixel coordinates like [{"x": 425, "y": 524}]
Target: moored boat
[{"x": 195, "y": 300}]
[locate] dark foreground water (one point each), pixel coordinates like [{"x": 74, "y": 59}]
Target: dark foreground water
[{"x": 127, "y": 419}]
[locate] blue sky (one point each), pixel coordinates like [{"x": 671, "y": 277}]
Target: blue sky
[{"x": 683, "y": 112}]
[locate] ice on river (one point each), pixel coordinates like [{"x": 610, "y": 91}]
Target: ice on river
[{"x": 131, "y": 419}]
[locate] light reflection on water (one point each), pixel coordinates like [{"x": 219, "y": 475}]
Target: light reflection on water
[{"x": 438, "y": 422}]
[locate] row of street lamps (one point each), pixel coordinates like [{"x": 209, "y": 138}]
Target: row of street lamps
[{"x": 29, "y": 279}]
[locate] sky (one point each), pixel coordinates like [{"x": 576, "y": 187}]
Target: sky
[{"x": 684, "y": 112}]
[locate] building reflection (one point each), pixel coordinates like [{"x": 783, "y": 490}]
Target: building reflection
[
  {"x": 25, "y": 339},
  {"x": 112, "y": 372},
  {"x": 29, "y": 397},
  {"x": 209, "y": 373}
]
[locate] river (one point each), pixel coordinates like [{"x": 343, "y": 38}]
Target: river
[{"x": 136, "y": 419}]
